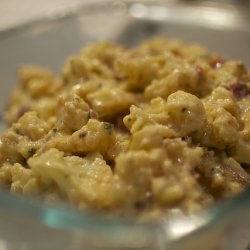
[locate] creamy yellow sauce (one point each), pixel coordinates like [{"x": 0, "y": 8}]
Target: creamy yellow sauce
[{"x": 130, "y": 131}]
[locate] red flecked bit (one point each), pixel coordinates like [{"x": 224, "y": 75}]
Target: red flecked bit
[
  {"x": 199, "y": 70},
  {"x": 217, "y": 64},
  {"x": 239, "y": 89}
]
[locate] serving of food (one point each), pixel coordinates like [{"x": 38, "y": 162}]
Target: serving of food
[{"x": 130, "y": 131}]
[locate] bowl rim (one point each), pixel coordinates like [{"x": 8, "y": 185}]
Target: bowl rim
[
  {"x": 63, "y": 217},
  {"x": 239, "y": 13}
]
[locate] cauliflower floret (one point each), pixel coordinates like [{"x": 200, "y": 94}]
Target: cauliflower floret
[
  {"x": 38, "y": 81},
  {"x": 95, "y": 136},
  {"x": 72, "y": 113},
  {"x": 229, "y": 73},
  {"x": 223, "y": 116},
  {"x": 241, "y": 151},
  {"x": 136, "y": 169},
  {"x": 187, "y": 113},
  {"x": 8, "y": 147},
  {"x": 23, "y": 181},
  {"x": 151, "y": 136},
  {"x": 225, "y": 99},
  {"x": 137, "y": 119},
  {"x": 97, "y": 60},
  {"x": 185, "y": 79},
  {"x": 85, "y": 181},
  {"x": 31, "y": 126},
  {"x": 107, "y": 102},
  {"x": 139, "y": 71},
  {"x": 222, "y": 130}
]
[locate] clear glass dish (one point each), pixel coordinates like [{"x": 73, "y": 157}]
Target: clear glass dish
[{"x": 27, "y": 224}]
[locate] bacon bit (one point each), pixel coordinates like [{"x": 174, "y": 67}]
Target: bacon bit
[
  {"x": 195, "y": 174},
  {"x": 217, "y": 63},
  {"x": 239, "y": 89},
  {"x": 199, "y": 70},
  {"x": 92, "y": 114},
  {"x": 83, "y": 134}
]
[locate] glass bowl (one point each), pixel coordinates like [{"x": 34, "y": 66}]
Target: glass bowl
[{"x": 29, "y": 224}]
